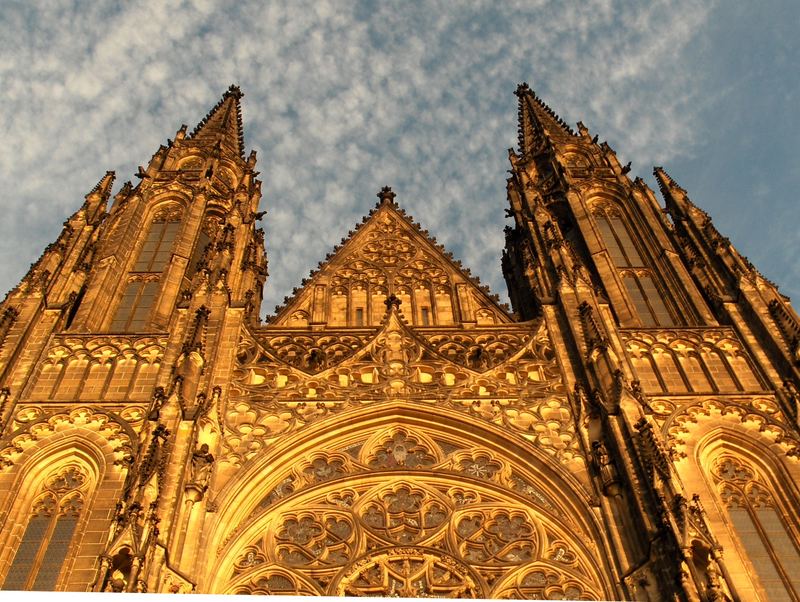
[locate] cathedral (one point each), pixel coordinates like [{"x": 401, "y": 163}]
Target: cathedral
[{"x": 627, "y": 430}]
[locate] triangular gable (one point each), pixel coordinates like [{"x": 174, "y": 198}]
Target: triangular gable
[{"x": 388, "y": 254}]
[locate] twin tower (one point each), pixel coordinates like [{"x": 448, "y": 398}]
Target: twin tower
[{"x": 629, "y": 431}]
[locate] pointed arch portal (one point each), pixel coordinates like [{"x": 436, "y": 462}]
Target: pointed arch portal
[{"x": 409, "y": 503}]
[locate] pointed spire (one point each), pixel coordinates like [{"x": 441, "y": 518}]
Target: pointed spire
[
  {"x": 675, "y": 197},
  {"x": 537, "y": 121},
  {"x": 102, "y": 190},
  {"x": 665, "y": 181},
  {"x": 223, "y": 124}
]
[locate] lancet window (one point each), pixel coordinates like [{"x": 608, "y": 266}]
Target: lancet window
[
  {"x": 49, "y": 531},
  {"x": 771, "y": 544},
  {"x": 141, "y": 289},
  {"x": 640, "y": 285}
]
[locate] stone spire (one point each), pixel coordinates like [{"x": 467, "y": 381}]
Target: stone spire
[
  {"x": 537, "y": 121},
  {"x": 222, "y": 125}
]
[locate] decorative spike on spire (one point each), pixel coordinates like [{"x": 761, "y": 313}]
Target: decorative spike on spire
[
  {"x": 102, "y": 189},
  {"x": 675, "y": 197},
  {"x": 386, "y": 195},
  {"x": 536, "y": 119},
  {"x": 223, "y": 123},
  {"x": 665, "y": 181}
]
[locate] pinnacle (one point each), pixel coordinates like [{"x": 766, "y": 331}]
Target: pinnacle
[
  {"x": 386, "y": 195},
  {"x": 223, "y": 123},
  {"x": 540, "y": 112},
  {"x": 102, "y": 189},
  {"x": 522, "y": 89},
  {"x": 665, "y": 181},
  {"x": 233, "y": 91}
]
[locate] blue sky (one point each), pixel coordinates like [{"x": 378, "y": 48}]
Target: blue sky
[{"x": 342, "y": 98}]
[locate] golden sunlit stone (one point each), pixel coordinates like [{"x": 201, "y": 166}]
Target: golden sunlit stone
[{"x": 629, "y": 431}]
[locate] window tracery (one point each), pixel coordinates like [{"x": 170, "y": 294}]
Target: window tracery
[
  {"x": 414, "y": 536},
  {"x": 49, "y": 531},
  {"x": 143, "y": 283},
  {"x": 756, "y": 517},
  {"x": 639, "y": 282}
]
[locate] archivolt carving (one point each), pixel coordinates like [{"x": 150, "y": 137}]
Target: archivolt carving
[
  {"x": 119, "y": 436},
  {"x": 105, "y": 348},
  {"x": 759, "y": 414},
  {"x": 408, "y": 536},
  {"x": 411, "y": 573},
  {"x": 396, "y": 449},
  {"x": 311, "y": 353},
  {"x": 544, "y": 582}
]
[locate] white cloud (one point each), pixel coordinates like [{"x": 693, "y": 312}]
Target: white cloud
[{"x": 340, "y": 99}]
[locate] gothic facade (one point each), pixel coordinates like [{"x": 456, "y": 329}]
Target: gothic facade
[{"x": 628, "y": 431}]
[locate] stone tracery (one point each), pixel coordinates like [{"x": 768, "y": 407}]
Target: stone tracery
[{"x": 408, "y": 536}]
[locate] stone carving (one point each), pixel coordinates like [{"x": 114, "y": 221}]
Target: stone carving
[
  {"x": 410, "y": 538},
  {"x": 201, "y": 465}
]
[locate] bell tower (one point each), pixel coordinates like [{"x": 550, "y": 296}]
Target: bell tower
[
  {"x": 663, "y": 323},
  {"x": 112, "y": 335}
]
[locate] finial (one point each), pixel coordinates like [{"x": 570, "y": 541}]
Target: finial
[
  {"x": 522, "y": 89},
  {"x": 103, "y": 187},
  {"x": 386, "y": 195},
  {"x": 392, "y": 301},
  {"x": 235, "y": 91}
]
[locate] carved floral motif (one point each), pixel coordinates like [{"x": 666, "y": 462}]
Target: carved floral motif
[{"x": 409, "y": 537}]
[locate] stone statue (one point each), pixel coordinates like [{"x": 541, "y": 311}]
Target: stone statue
[{"x": 202, "y": 462}]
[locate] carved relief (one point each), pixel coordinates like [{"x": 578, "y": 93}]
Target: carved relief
[
  {"x": 508, "y": 376},
  {"x": 390, "y": 255},
  {"x": 119, "y": 436},
  {"x": 410, "y": 536},
  {"x": 678, "y": 361},
  {"x": 99, "y": 367},
  {"x": 758, "y": 414}
]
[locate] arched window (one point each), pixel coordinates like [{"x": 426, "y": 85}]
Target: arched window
[
  {"x": 135, "y": 306},
  {"x": 760, "y": 526},
  {"x": 647, "y": 299},
  {"x": 642, "y": 290},
  {"x": 618, "y": 239},
  {"x": 49, "y": 531},
  {"x": 141, "y": 290},
  {"x": 155, "y": 252}
]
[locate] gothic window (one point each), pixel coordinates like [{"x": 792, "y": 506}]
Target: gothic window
[
  {"x": 49, "y": 532},
  {"x": 768, "y": 541},
  {"x": 617, "y": 239},
  {"x": 135, "y": 306},
  {"x": 155, "y": 252},
  {"x": 647, "y": 299},
  {"x": 139, "y": 296}
]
